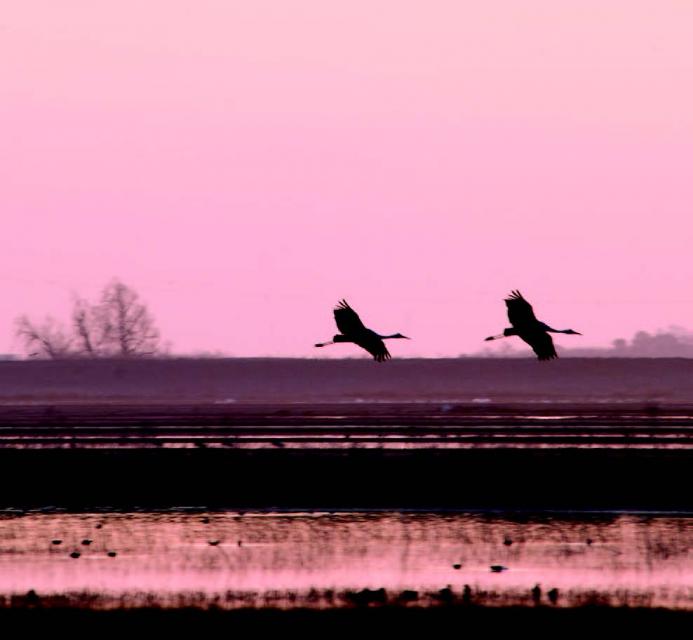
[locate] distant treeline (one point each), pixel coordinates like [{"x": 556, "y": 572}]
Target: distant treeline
[{"x": 675, "y": 342}]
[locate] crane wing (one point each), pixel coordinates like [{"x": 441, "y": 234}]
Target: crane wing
[
  {"x": 376, "y": 347},
  {"x": 348, "y": 321},
  {"x": 520, "y": 312},
  {"x": 542, "y": 344}
]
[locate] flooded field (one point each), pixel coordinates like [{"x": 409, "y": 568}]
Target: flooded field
[
  {"x": 391, "y": 425},
  {"x": 343, "y": 506},
  {"x": 291, "y": 559},
  {"x": 358, "y": 456}
]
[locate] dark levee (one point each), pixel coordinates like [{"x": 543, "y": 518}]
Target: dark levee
[
  {"x": 520, "y": 479},
  {"x": 458, "y": 621}
]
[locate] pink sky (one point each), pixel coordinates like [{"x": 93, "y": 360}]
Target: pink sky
[{"x": 244, "y": 165}]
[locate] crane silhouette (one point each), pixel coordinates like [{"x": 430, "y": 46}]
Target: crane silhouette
[
  {"x": 353, "y": 330},
  {"x": 525, "y": 325}
]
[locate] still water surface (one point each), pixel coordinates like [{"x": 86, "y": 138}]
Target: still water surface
[{"x": 317, "y": 559}]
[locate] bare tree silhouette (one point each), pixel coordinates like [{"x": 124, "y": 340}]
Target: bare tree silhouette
[
  {"x": 83, "y": 326},
  {"x": 119, "y": 325},
  {"x": 45, "y": 340},
  {"x": 125, "y": 326}
]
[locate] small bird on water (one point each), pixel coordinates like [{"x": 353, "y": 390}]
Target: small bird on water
[
  {"x": 526, "y": 326},
  {"x": 353, "y": 330}
]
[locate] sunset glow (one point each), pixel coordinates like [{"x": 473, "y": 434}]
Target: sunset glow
[{"x": 245, "y": 165}]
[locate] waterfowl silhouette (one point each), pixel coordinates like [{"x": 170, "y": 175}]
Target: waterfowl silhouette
[
  {"x": 353, "y": 330},
  {"x": 526, "y": 326}
]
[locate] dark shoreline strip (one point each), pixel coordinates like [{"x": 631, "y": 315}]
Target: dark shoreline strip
[
  {"x": 507, "y": 479},
  {"x": 370, "y": 619}
]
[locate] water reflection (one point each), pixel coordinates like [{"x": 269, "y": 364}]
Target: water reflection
[{"x": 303, "y": 558}]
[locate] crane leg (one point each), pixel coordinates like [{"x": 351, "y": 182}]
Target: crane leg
[
  {"x": 324, "y": 344},
  {"x": 495, "y": 337}
]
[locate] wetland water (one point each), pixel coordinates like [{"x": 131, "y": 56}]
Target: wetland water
[
  {"x": 331, "y": 506},
  {"x": 294, "y": 559}
]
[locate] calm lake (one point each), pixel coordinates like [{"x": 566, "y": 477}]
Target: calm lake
[{"x": 319, "y": 559}]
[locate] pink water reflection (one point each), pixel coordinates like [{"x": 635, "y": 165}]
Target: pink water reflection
[{"x": 631, "y": 558}]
